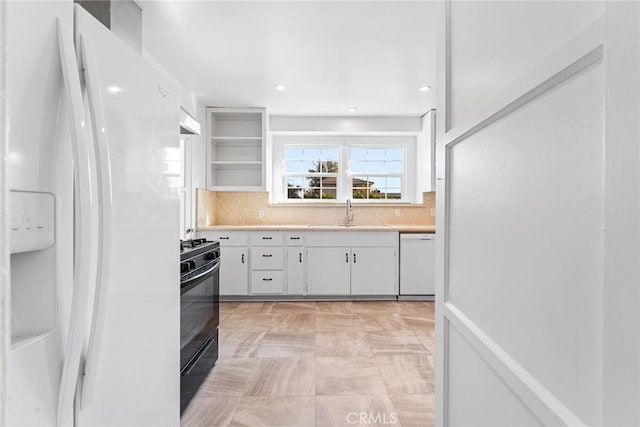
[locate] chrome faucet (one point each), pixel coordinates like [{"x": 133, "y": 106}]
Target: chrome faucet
[{"x": 348, "y": 218}]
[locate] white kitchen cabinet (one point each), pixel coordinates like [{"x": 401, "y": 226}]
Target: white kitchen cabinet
[
  {"x": 373, "y": 271},
  {"x": 328, "y": 271},
  {"x": 417, "y": 264},
  {"x": 266, "y": 258},
  {"x": 236, "y": 149},
  {"x": 234, "y": 270},
  {"x": 366, "y": 265},
  {"x": 267, "y": 282},
  {"x": 295, "y": 270},
  {"x": 234, "y": 260},
  {"x": 267, "y": 262}
]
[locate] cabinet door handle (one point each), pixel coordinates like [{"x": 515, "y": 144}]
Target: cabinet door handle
[
  {"x": 242, "y": 258},
  {"x": 267, "y": 279},
  {"x": 354, "y": 257},
  {"x": 300, "y": 257},
  {"x": 346, "y": 257},
  {"x": 266, "y": 238},
  {"x": 267, "y": 255},
  {"x": 224, "y": 238}
]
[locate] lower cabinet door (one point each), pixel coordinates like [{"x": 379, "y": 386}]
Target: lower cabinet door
[
  {"x": 328, "y": 271},
  {"x": 295, "y": 271},
  {"x": 234, "y": 270},
  {"x": 373, "y": 271},
  {"x": 267, "y": 282}
]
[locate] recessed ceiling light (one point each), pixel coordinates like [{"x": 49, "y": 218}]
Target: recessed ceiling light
[
  {"x": 352, "y": 109},
  {"x": 114, "y": 89},
  {"x": 280, "y": 87},
  {"x": 425, "y": 88}
]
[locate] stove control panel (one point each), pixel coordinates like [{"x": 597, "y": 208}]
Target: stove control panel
[{"x": 31, "y": 221}]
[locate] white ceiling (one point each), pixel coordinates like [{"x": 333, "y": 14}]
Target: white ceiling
[{"x": 330, "y": 55}]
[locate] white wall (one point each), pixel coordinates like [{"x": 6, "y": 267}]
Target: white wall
[
  {"x": 538, "y": 187},
  {"x": 196, "y": 149},
  {"x": 5, "y": 289}
]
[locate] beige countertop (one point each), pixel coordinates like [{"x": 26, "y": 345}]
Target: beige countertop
[{"x": 399, "y": 228}]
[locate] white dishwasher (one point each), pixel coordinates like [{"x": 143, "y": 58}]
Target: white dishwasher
[{"x": 417, "y": 264}]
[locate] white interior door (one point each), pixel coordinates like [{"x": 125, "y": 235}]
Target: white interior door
[{"x": 538, "y": 195}]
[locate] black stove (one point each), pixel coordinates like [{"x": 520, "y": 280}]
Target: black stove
[
  {"x": 199, "y": 313},
  {"x": 191, "y": 243}
]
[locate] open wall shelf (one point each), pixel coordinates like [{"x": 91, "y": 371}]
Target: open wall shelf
[{"x": 236, "y": 149}]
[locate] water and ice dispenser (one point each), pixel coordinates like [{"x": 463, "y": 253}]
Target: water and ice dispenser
[{"x": 32, "y": 231}]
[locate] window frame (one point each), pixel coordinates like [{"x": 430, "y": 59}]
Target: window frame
[{"x": 344, "y": 180}]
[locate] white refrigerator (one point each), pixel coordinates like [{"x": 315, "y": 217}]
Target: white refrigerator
[{"x": 93, "y": 217}]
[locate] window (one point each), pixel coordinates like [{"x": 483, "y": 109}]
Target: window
[
  {"x": 311, "y": 172},
  {"x": 376, "y": 173},
  {"x": 333, "y": 168}
]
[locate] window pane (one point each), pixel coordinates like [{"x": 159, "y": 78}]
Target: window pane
[
  {"x": 311, "y": 153},
  {"x": 394, "y": 167},
  {"x": 329, "y": 166},
  {"x": 294, "y": 188},
  {"x": 375, "y": 167},
  {"x": 312, "y": 193},
  {"x": 394, "y": 193},
  {"x": 311, "y": 167},
  {"x": 358, "y": 167},
  {"x": 330, "y": 154},
  {"x": 294, "y": 166},
  {"x": 293, "y": 153},
  {"x": 376, "y": 188},
  {"x": 361, "y": 182},
  {"x": 358, "y": 153},
  {"x": 394, "y": 154},
  {"x": 359, "y": 193},
  {"x": 376, "y": 154},
  {"x": 394, "y": 182}
]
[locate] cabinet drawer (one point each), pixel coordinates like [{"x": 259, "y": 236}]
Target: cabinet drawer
[
  {"x": 265, "y": 239},
  {"x": 226, "y": 238},
  {"x": 267, "y": 282},
  {"x": 266, "y": 258},
  {"x": 295, "y": 239}
]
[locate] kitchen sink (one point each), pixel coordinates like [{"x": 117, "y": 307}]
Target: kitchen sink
[{"x": 349, "y": 227}]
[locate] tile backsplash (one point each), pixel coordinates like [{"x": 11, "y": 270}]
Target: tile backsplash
[{"x": 242, "y": 208}]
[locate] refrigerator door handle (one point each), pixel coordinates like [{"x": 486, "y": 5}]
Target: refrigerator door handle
[
  {"x": 84, "y": 248},
  {"x": 103, "y": 169}
]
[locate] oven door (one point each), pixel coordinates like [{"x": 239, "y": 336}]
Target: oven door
[{"x": 199, "y": 313}]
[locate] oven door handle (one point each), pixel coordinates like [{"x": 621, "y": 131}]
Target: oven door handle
[{"x": 186, "y": 286}]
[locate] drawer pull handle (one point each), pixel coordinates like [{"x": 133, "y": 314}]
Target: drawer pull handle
[
  {"x": 267, "y": 238},
  {"x": 300, "y": 257},
  {"x": 267, "y": 279},
  {"x": 294, "y": 238},
  {"x": 224, "y": 238},
  {"x": 242, "y": 258},
  {"x": 267, "y": 255}
]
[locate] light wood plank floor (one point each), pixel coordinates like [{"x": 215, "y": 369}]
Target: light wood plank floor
[{"x": 320, "y": 364}]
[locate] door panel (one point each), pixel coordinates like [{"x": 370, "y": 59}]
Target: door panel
[
  {"x": 373, "y": 271},
  {"x": 535, "y": 273},
  {"x": 328, "y": 271},
  {"x": 295, "y": 271},
  {"x": 234, "y": 268}
]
